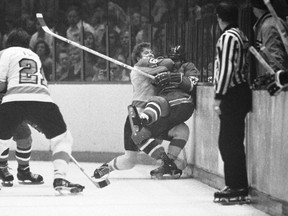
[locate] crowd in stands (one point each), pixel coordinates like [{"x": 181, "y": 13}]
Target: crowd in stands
[{"x": 112, "y": 28}]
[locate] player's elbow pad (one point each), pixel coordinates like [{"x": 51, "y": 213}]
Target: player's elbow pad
[
  {"x": 188, "y": 84},
  {"x": 176, "y": 78}
]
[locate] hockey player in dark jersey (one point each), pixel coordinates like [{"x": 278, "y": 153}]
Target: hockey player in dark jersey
[
  {"x": 172, "y": 106},
  {"x": 176, "y": 87},
  {"x": 146, "y": 140}
]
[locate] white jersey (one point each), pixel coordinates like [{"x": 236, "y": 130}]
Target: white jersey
[
  {"x": 22, "y": 70},
  {"x": 142, "y": 85}
]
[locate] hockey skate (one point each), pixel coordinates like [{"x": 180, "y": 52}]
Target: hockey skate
[
  {"x": 231, "y": 196},
  {"x": 6, "y": 177},
  {"x": 102, "y": 173},
  {"x": 27, "y": 177},
  {"x": 168, "y": 170},
  {"x": 61, "y": 185}
]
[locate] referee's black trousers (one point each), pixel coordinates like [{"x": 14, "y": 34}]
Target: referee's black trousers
[{"x": 234, "y": 108}]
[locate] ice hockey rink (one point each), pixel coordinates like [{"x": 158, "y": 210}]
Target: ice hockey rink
[{"x": 131, "y": 193}]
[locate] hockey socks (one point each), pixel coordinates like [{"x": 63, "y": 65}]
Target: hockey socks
[{"x": 151, "y": 113}]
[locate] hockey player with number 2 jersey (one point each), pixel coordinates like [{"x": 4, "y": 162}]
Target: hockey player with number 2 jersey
[{"x": 28, "y": 98}]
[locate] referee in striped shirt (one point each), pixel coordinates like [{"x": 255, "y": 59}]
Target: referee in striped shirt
[{"x": 232, "y": 99}]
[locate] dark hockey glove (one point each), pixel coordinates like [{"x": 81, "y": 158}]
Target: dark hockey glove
[
  {"x": 167, "y": 78},
  {"x": 276, "y": 82},
  {"x": 261, "y": 81}
]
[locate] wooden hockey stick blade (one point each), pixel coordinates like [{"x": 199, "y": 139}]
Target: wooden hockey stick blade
[
  {"x": 279, "y": 25},
  {"x": 261, "y": 59},
  {"x": 41, "y": 20},
  {"x": 100, "y": 184}
]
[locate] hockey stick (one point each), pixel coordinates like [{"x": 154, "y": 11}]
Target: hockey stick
[
  {"x": 185, "y": 156},
  {"x": 100, "y": 184},
  {"x": 261, "y": 60},
  {"x": 47, "y": 30},
  {"x": 279, "y": 25}
]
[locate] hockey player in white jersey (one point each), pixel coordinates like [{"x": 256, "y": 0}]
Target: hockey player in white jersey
[
  {"x": 143, "y": 90},
  {"x": 23, "y": 139},
  {"x": 27, "y": 98}
]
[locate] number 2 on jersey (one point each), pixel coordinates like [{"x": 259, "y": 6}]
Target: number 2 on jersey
[{"x": 28, "y": 72}]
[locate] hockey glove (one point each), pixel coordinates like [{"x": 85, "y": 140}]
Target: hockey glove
[
  {"x": 167, "y": 78},
  {"x": 276, "y": 82},
  {"x": 194, "y": 80},
  {"x": 261, "y": 81}
]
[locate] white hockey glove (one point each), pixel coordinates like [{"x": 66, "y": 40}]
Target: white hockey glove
[
  {"x": 167, "y": 78},
  {"x": 194, "y": 80}
]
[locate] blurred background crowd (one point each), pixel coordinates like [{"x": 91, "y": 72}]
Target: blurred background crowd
[{"x": 113, "y": 28}]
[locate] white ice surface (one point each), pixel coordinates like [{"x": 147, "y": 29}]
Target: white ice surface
[{"x": 131, "y": 193}]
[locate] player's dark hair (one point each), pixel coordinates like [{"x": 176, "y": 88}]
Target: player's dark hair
[
  {"x": 228, "y": 11},
  {"x": 136, "y": 53},
  {"x": 18, "y": 38}
]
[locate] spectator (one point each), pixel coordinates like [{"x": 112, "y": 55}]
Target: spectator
[
  {"x": 64, "y": 66},
  {"x": 73, "y": 74},
  {"x": 89, "y": 58},
  {"x": 159, "y": 9},
  {"x": 10, "y": 9},
  {"x": 41, "y": 34},
  {"x": 268, "y": 40},
  {"x": 118, "y": 15},
  {"x": 114, "y": 43},
  {"x": 42, "y": 49},
  {"x": 99, "y": 21},
  {"x": 76, "y": 24},
  {"x": 119, "y": 73},
  {"x": 29, "y": 7},
  {"x": 29, "y": 24},
  {"x": 159, "y": 41},
  {"x": 142, "y": 34},
  {"x": 10, "y": 24},
  {"x": 125, "y": 46}
]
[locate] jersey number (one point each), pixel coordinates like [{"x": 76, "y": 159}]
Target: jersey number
[{"x": 28, "y": 73}]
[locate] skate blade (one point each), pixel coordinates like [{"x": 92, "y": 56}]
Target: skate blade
[
  {"x": 166, "y": 177},
  {"x": 7, "y": 184},
  {"x": 233, "y": 201},
  {"x": 28, "y": 182},
  {"x": 65, "y": 191}
]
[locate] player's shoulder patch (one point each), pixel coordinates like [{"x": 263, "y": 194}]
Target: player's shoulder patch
[
  {"x": 151, "y": 62},
  {"x": 154, "y": 61}
]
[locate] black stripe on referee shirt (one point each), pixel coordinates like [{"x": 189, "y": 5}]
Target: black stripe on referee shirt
[{"x": 226, "y": 63}]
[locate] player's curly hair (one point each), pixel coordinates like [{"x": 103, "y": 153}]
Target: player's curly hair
[
  {"x": 18, "y": 37},
  {"x": 136, "y": 53}
]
